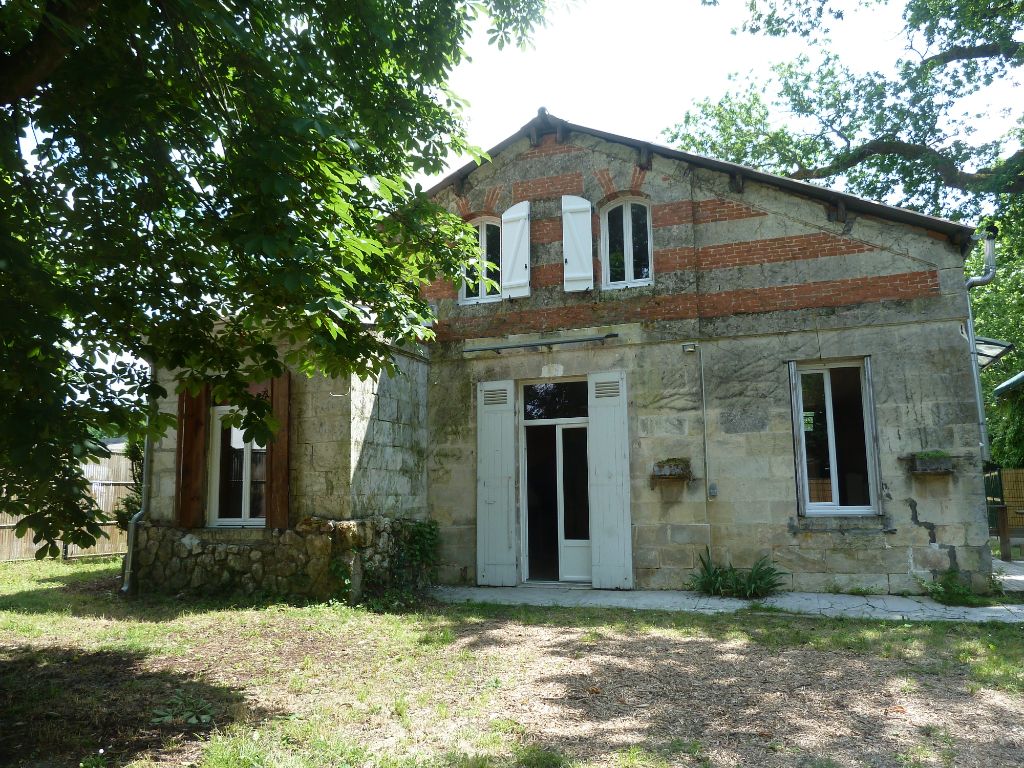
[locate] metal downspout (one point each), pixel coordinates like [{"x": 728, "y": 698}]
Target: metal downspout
[
  {"x": 699, "y": 349},
  {"x": 147, "y": 459},
  {"x": 972, "y": 282}
]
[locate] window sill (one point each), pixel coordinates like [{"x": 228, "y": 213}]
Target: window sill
[
  {"x": 260, "y": 523},
  {"x": 840, "y": 512},
  {"x": 487, "y": 300},
  {"x": 620, "y": 286},
  {"x": 868, "y": 525}
]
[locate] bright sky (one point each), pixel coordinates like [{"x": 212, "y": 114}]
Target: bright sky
[{"x": 634, "y": 68}]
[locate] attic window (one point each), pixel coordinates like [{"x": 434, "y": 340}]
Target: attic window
[
  {"x": 475, "y": 287},
  {"x": 626, "y": 245}
]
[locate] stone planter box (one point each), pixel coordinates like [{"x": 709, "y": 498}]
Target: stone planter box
[
  {"x": 673, "y": 469},
  {"x": 931, "y": 465}
]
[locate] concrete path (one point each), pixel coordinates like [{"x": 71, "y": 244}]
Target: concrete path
[
  {"x": 887, "y": 607},
  {"x": 1011, "y": 574}
]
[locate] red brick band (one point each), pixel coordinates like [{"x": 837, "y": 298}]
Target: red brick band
[
  {"x": 548, "y": 186},
  {"x": 828, "y": 293},
  {"x": 546, "y": 230},
  {"x": 776, "y": 249},
  {"x": 701, "y": 212}
]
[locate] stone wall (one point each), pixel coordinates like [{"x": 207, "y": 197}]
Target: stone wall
[
  {"x": 356, "y": 446},
  {"x": 926, "y": 525},
  {"x": 307, "y": 561},
  {"x": 755, "y": 279},
  {"x": 388, "y": 439}
]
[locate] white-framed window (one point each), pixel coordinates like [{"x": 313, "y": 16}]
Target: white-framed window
[
  {"x": 626, "y": 244},
  {"x": 474, "y": 287},
  {"x": 238, "y": 475},
  {"x": 833, "y": 432}
]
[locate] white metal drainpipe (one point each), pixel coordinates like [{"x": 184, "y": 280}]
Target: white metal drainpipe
[
  {"x": 984, "y": 278},
  {"x": 133, "y": 523},
  {"x": 710, "y": 489}
]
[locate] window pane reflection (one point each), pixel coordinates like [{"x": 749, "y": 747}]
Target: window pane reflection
[
  {"x": 564, "y": 400},
  {"x": 851, "y": 445},
  {"x": 232, "y": 468},
  {"x": 258, "y": 482},
  {"x": 815, "y": 426},
  {"x": 616, "y": 246},
  {"x": 641, "y": 249},
  {"x": 492, "y": 251},
  {"x": 575, "y": 484}
]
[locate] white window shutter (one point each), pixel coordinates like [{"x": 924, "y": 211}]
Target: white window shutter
[
  {"x": 577, "y": 244},
  {"x": 495, "y": 488},
  {"x": 515, "y": 251},
  {"x": 611, "y": 530}
]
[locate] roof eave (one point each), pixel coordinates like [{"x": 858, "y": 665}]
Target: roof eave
[{"x": 958, "y": 234}]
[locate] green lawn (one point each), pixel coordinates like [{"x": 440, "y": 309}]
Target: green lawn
[
  {"x": 168, "y": 681},
  {"x": 1016, "y": 552}
]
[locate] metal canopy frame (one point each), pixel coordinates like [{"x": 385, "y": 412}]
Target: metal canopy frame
[{"x": 990, "y": 350}]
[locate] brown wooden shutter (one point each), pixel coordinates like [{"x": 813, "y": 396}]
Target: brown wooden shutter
[
  {"x": 191, "y": 458},
  {"x": 277, "y": 456}
]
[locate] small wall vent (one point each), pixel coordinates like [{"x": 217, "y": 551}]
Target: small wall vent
[
  {"x": 495, "y": 396},
  {"x": 606, "y": 389}
]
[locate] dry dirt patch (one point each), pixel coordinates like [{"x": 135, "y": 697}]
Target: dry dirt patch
[
  {"x": 592, "y": 695},
  {"x": 746, "y": 704},
  {"x": 477, "y": 687}
]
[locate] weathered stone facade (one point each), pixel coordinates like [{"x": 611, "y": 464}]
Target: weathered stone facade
[
  {"x": 316, "y": 559},
  {"x": 748, "y": 277},
  {"x": 356, "y": 446},
  {"x": 748, "y": 281}
]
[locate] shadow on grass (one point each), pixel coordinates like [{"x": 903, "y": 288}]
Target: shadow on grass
[
  {"x": 759, "y": 690},
  {"x": 934, "y": 643},
  {"x": 97, "y": 593},
  {"x": 61, "y": 705}
]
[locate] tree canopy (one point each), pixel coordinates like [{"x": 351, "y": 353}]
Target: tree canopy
[
  {"x": 202, "y": 185},
  {"x": 906, "y": 133}
]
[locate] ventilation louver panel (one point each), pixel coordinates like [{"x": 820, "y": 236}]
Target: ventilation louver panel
[
  {"x": 495, "y": 396},
  {"x": 606, "y": 389}
]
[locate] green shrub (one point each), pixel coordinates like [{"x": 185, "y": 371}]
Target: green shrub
[
  {"x": 761, "y": 580},
  {"x": 950, "y": 589},
  {"x": 134, "y": 449}
]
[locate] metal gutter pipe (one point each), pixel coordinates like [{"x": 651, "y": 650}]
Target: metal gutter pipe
[
  {"x": 133, "y": 523},
  {"x": 984, "y": 278},
  {"x": 691, "y": 347}
]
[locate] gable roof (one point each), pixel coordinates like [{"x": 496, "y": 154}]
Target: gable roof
[{"x": 545, "y": 123}]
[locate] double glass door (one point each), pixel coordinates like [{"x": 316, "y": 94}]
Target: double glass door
[{"x": 557, "y": 483}]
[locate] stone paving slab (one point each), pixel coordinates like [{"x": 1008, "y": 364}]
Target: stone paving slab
[
  {"x": 881, "y": 607},
  {"x": 1010, "y": 574}
]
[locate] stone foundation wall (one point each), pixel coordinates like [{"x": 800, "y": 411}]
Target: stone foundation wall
[
  {"x": 308, "y": 561},
  {"x": 925, "y": 526}
]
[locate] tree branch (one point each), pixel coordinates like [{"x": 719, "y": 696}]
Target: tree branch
[
  {"x": 966, "y": 53},
  {"x": 1006, "y": 179},
  {"x": 24, "y": 70}
]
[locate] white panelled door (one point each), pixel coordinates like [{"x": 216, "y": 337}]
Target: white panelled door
[
  {"x": 608, "y": 462},
  {"x": 495, "y": 487}
]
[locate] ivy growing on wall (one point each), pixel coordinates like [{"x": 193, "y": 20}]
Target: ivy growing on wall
[{"x": 410, "y": 567}]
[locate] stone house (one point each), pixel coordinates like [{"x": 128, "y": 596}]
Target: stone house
[{"x": 669, "y": 353}]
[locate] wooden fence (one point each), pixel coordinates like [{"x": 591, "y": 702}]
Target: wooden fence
[
  {"x": 111, "y": 481},
  {"x": 1013, "y": 497}
]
